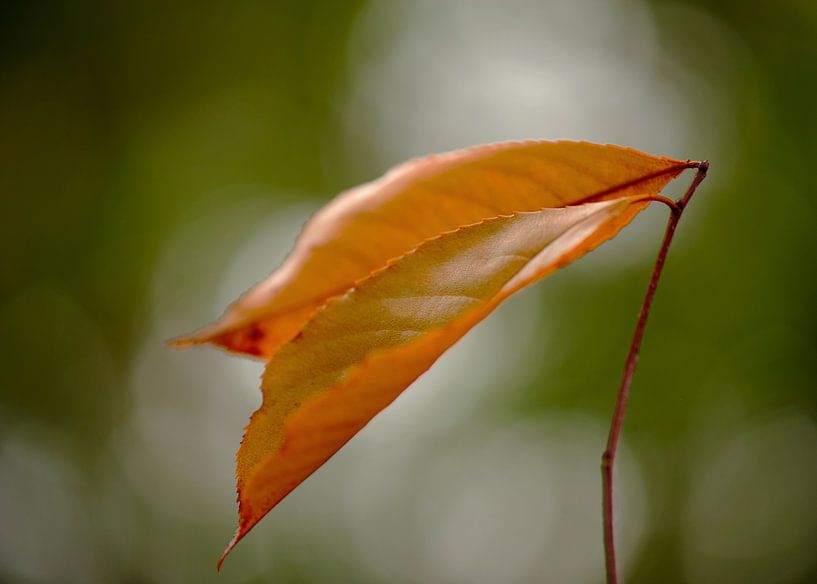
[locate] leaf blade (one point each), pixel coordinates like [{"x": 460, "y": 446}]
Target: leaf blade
[
  {"x": 413, "y": 202},
  {"x": 302, "y": 422}
]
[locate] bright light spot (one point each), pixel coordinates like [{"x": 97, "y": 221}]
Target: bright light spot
[{"x": 442, "y": 75}]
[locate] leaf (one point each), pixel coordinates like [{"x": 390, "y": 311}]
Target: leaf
[
  {"x": 365, "y": 227},
  {"x": 387, "y": 277}
]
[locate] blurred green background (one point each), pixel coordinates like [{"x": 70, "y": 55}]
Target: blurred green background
[{"x": 159, "y": 158}]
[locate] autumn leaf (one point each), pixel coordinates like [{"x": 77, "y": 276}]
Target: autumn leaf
[
  {"x": 389, "y": 275},
  {"x": 365, "y": 227}
]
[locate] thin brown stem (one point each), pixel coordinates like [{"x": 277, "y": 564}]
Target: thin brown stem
[
  {"x": 609, "y": 456},
  {"x": 673, "y": 206}
]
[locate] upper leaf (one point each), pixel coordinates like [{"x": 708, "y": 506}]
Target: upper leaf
[{"x": 365, "y": 227}]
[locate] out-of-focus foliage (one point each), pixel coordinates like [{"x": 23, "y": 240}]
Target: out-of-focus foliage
[{"x": 157, "y": 159}]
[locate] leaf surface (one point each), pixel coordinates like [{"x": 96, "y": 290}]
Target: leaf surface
[
  {"x": 363, "y": 348},
  {"x": 365, "y": 227},
  {"x": 388, "y": 276}
]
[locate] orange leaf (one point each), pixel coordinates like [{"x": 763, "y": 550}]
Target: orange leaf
[
  {"x": 388, "y": 276},
  {"x": 365, "y": 227},
  {"x": 363, "y": 348}
]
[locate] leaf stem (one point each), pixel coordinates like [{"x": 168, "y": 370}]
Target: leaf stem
[
  {"x": 609, "y": 456},
  {"x": 673, "y": 205}
]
